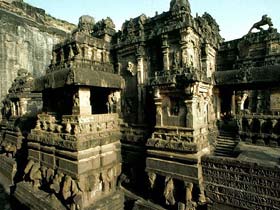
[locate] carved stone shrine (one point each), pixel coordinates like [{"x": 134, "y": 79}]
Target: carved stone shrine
[{"x": 162, "y": 114}]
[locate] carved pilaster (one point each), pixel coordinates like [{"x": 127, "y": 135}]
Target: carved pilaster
[
  {"x": 184, "y": 46},
  {"x": 165, "y": 52},
  {"x": 190, "y": 119},
  {"x": 140, "y": 79},
  {"x": 22, "y": 107}
]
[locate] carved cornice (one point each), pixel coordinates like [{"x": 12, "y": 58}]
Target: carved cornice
[{"x": 254, "y": 75}]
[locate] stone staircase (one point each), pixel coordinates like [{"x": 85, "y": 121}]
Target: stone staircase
[{"x": 226, "y": 142}]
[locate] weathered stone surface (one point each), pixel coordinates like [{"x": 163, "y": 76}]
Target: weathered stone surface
[
  {"x": 35, "y": 199},
  {"x": 74, "y": 156},
  {"x": 242, "y": 184},
  {"x": 27, "y": 35},
  {"x": 200, "y": 117},
  {"x": 4, "y": 199}
]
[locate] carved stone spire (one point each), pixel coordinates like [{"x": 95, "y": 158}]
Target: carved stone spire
[
  {"x": 177, "y": 5},
  {"x": 86, "y": 24}
]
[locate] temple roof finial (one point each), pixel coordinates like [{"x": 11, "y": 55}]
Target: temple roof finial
[{"x": 176, "y": 5}]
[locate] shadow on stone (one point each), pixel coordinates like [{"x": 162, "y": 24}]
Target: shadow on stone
[{"x": 4, "y": 199}]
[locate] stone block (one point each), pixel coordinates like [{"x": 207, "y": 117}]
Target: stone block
[
  {"x": 48, "y": 160},
  {"x": 174, "y": 169},
  {"x": 109, "y": 158},
  {"x": 88, "y": 164},
  {"x": 34, "y": 155}
]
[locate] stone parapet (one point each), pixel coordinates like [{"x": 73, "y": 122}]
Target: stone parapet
[{"x": 259, "y": 129}]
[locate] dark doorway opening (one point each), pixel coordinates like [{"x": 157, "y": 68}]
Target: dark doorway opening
[{"x": 226, "y": 103}]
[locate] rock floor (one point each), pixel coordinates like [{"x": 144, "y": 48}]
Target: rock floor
[{"x": 4, "y": 200}]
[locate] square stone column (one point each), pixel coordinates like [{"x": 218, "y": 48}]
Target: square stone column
[
  {"x": 81, "y": 102},
  {"x": 23, "y": 106}
]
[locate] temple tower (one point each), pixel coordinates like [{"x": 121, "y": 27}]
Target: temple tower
[
  {"x": 74, "y": 150},
  {"x": 168, "y": 62}
]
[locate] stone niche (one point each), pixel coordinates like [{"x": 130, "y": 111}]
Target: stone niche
[{"x": 173, "y": 111}]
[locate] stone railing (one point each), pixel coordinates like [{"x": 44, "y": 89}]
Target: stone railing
[{"x": 259, "y": 129}]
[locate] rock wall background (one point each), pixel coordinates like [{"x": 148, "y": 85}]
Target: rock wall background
[{"x": 27, "y": 36}]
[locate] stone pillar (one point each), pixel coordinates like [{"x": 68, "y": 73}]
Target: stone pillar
[
  {"x": 140, "y": 70},
  {"x": 259, "y": 103},
  {"x": 22, "y": 106},
  {"x": 140, "y": 81},
  {"x": 81, "y": 102},
  {"x": 217, "y": 103},
  {"x": 165, "y": 52},
  {"x": 239, "y": 104},
  {"x": 233, "y": 106},
  {"x": 94, "y": 53},
  {"x": 158, "y": 104},
  {"x": 13, "y": 109}
]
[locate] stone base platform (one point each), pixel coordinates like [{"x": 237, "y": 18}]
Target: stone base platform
[
  {"x": 36, "y": 199},
  {"x": 114, "y": 201},
  {"x": 136, "y": 202}
]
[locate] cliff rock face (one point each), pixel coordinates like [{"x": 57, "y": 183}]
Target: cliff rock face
[{"x": 27, "y": 36}]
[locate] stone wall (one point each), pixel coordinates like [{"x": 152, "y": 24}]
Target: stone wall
[
  {"x": 27, "y": 36},
  {"x": 234, "y": 184}
]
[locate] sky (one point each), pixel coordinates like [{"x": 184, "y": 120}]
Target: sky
[{"x": 235, "y": 17}]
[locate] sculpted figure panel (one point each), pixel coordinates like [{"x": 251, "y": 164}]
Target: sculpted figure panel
[{"x": 169, "y": 191}]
